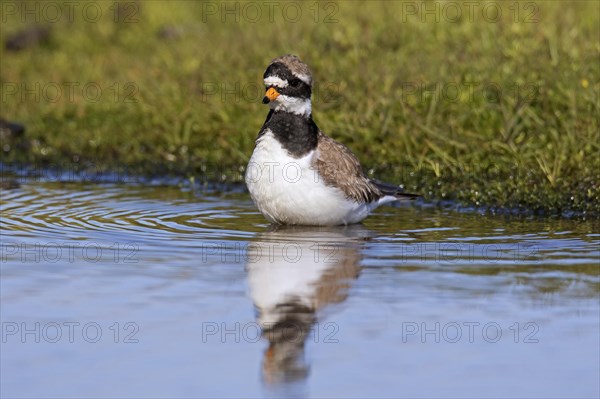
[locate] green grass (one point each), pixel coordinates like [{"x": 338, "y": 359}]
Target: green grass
[{"x": 500, "y": 113}]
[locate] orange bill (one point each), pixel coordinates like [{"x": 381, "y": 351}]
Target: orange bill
[{"x": 270, "y": 95}]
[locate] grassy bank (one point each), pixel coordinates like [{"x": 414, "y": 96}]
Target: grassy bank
[{"x": 498, "y": 107}]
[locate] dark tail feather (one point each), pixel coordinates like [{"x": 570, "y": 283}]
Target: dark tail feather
[{"x": 390, "y": 189}]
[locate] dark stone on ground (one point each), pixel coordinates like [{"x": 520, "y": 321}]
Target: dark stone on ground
[
  {"x": 170, "y": 32},
  {"x": 28, "y": 37},
  {"x": 10, "y": 130},
  {"x": 9, "y": 184}
]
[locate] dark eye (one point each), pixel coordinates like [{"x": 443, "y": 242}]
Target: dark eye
[{"x": 295, "y": 82}]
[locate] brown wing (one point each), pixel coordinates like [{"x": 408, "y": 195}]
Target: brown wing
[{"x": 338, "y": 167}]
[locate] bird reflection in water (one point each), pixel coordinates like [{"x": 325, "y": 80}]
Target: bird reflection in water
[{"x": 293, "y": 273}]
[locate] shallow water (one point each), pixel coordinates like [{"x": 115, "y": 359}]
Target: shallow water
[{"x": 150, "y": 291}]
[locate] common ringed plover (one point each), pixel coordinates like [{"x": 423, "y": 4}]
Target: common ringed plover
[{"x": 297, "y": 174}]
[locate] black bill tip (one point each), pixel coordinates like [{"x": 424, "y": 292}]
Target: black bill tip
[{"x": 265, "y": 100}]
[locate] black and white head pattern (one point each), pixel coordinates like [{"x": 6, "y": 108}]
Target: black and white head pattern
[{"x": 292, "y": 79}]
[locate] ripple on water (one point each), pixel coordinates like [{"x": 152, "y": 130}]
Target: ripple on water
[{"x": 49, "y": 211}]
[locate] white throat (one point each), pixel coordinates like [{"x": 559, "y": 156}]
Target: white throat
[{"x": 298, "y": 106}]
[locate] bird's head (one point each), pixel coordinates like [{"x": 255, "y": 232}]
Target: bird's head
[{"x": 288, "y": 84}]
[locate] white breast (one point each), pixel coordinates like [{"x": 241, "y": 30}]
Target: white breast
[{"x": 288, "y": 190}]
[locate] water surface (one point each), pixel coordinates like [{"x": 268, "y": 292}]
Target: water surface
[{"x": 154, "y": 291}]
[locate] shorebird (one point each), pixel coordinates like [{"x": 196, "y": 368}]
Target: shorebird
[{"x": 297, "y": 175}]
